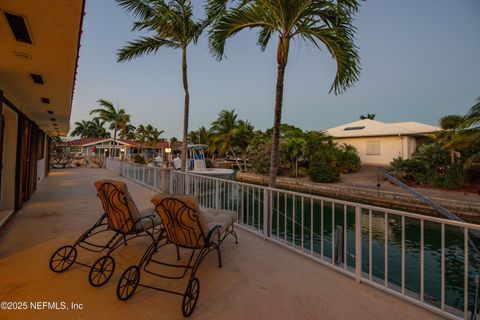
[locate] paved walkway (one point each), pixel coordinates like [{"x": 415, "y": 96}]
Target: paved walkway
[{"x": 259, "y": 280}]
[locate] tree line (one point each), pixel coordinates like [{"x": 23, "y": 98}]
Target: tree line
[
  {"x": 117, "y": 120},
  {"x": 301, "y": 153}
]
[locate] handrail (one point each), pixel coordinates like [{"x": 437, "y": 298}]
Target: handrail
[{"x": 337, "y": 237}]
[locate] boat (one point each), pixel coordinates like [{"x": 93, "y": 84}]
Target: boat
[{"x": 196, "y": 163}]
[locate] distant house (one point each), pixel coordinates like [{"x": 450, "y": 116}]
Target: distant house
[
  {"x": 378, "y": 142},
  {"x": 100, "y": 146}
]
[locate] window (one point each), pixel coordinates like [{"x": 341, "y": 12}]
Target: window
[
  {"x": 354, "y": 128},
  {"x": 373, "y": 148}
]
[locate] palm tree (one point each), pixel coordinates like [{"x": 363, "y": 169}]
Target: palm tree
[
  {"x": 148, "y": 136},
  {"x": 97, "y": 129},
  {"x": 318, "y": 22},
  {"x": 468, "y": 135},
  {"x": 244, "y": 138},
  {"x": 127, "y": 132},
  {"x": 451, "y": 122},
  {"x": 369, "y": 116},
  {"x": 225, "y": 133},
  {"x": 175, "y": 28},
  {"x": 117, "y": 118},
  {"x": 82, "y": 129}
]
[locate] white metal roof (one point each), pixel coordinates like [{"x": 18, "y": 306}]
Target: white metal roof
[{"x": 369, "y": 128}]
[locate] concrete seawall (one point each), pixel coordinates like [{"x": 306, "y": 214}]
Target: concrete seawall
[{"x": 469, "y": 211}]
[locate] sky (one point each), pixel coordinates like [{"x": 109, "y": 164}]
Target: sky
[{"x": 420, "y": 60}]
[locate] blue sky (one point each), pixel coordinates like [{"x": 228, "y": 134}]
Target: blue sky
[{"x": 420, "y": 61}]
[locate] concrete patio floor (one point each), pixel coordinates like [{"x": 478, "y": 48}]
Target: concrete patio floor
[{"x": 259, "y": 280}]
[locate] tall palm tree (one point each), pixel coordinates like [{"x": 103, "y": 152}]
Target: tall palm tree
[
  {"x": 82, "y": 129},
  {"x": 175, "y": 28},
  {"x": 327, "y": 22},
  {"x": 117, "y": 118}
]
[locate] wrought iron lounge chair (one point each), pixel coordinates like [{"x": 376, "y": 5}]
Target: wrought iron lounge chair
[
  {"x": 121, "y": 218},
  {"x": 186, "y": 226}
]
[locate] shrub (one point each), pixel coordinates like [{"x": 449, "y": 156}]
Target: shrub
[
  {"x": 259, "y": 157},
  {"x": 415, "y": 170},
  {"x": 323, "y": 168},
  {"x": 453, "y": 177},
  {"x": 397, "y": 167},
  {"x": 433, "y": 156},
  {"x": 136, "y": 158},
  {"x": 348, "y": 160},
  {"x": 208, "y": 163}
]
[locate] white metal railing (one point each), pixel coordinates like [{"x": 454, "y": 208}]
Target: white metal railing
[
  {"x": 426, "y": 260},
  {"x": 155, "y": 178},
  {"x": 429, "y": 261}
]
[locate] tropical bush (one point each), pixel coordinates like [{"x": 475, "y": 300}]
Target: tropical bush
[
  {"x": 429, "y": 165},
  {"x": 304, "y": 153},
  {"x": 348, "y": 160},
  {"x": 323, "y": 168}
]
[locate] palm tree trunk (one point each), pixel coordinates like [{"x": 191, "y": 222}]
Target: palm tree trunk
[
  {"x": 245, "y": 162},
  {"x": 114, "y": 138},
  {"x": 274, "y": 156},
  {"x": 186, "y": 109},
  {"x": 236, "y": 159}
]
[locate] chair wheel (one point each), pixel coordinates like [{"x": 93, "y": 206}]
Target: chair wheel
[
  {"x": 190, "y": 297},
  {"x": 101, "y": 271},
  {"x": 63, "y": 258},
  {"x": 128, "y": 283}
]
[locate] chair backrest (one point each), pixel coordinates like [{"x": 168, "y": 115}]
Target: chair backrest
[
  {"x": 184, "y": 224},
  {"x": 121, "y": 211}
]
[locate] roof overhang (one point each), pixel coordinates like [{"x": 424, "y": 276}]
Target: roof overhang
[
  {"x": 385, "y": 135},
  {"x": 55, "y": 28}
]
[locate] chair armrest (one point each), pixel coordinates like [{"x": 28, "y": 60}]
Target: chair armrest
[
  {"x": 150, "y": 217},
  {"x": 210, "y": 233}
]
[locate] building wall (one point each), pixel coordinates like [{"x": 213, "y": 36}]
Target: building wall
[
  {"x": 390, "y": 147},
  {"x": 9, "y": 159},
  {"x": 41, "y": 163}
]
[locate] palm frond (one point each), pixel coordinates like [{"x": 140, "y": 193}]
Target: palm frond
[
  {"x": 140, "y": 8},
  {"x": 141, "y": 46},
  {"x": 247, "y": 16}
]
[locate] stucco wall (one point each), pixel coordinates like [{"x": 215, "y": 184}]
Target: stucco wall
[
  {"x": 9, "y": 159},
  {"x": 390, "y": 147}
]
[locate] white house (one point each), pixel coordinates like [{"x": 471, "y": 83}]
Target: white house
[
  {"x": 378, "y": 142},
  {"x": 98, "y": 146}
]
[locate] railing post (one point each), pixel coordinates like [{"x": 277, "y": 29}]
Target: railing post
[
  {"x": 358, "y": 244},
  {"x": 120, "y": 170},
  {"x": 187, "y": 183},
  {"x": 266, "y": 213},
  {"x": 170, "y": 183},
  {"x": 217, "y": 194}
]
